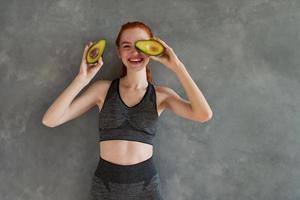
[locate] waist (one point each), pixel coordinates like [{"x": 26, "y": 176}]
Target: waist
[
  {"x": 113, "y": 172},
  {"x": 125, "y": 152}
]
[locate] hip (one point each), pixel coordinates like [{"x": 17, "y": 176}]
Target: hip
[{"x": 137, "y": 181}]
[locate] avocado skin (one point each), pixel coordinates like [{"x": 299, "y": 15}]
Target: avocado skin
[
  {"x": 100, "y": 44},
  {"x": 150, "y": 53}
]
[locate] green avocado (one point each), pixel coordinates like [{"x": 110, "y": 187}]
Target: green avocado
[
  {"x": 95, "y": 52},
  {"x": 150, "y": 47}
]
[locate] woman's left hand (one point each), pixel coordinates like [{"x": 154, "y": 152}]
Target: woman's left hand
[{"x": 168, "y": 58}]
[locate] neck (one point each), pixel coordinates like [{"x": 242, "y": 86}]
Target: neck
[{"x": 135, "y": 80}]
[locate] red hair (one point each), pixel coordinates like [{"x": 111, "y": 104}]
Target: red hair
[{"x": 135, "y": 24}]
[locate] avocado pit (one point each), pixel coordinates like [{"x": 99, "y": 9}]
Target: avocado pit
[{"x": 94, "y": 53}]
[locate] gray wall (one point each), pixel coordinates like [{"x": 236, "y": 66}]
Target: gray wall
[{"x": 243, "y": 55}]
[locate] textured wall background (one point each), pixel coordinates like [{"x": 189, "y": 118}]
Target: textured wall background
[{"x": 244, "y": 56}]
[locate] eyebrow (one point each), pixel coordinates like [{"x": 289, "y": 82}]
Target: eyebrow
[{"x": 125, "y": 42}]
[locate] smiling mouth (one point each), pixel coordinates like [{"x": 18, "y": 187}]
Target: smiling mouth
[{"x": 136, "y": 60}]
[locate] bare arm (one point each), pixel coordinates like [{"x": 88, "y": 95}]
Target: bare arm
[
  {"x": 65, "y": 108},
  {"x": 196, "y": 108}
]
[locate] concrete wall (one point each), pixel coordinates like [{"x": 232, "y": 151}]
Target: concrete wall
[{"x": 243, "y": 55}]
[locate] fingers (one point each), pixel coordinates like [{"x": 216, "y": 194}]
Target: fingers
[
  {"x": 84, "y": 52},
  {"x": 100, "y": 62},
  {"x": 154, "y": 58},
  {"x": 161, "y": 41},
  {"x": 100, "y": 59},
  {"x": 86, "y": 47},
  {"x": 168, "y": 49},
  {"x": 96, "y": 67},
  {"x": 97, "y": 64}
]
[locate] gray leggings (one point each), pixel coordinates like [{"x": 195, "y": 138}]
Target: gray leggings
[{"x": 139, "y": 181}]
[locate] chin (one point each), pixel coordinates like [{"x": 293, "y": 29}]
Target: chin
[{"x": 136, "y": 67}]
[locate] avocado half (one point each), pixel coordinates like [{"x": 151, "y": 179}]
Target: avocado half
[
  {"x": 95, "y": 52},
  {"x": 150, "y": 47}
]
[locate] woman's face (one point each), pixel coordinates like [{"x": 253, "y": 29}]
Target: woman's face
[{"x": 129, "y": 55}]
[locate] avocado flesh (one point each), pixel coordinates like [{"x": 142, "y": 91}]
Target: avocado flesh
[
  {"x": 150, "y": 47},
  {"x": 95, "y": 52}
]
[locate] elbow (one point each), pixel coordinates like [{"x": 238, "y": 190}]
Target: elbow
[
  {"x": 48, "y": 124},
  {"x": 204, "y": 118},
  {"x": 209, "y": 117}
]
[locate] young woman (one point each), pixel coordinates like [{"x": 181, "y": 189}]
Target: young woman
[{"x": 129, "y": 108}]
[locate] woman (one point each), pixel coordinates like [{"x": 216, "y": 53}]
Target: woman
[{"x": 129, "y": 110}]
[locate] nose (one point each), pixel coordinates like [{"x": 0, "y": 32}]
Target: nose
[{"x": 134, "y": 51}]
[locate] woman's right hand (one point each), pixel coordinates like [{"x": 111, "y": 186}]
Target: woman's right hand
[{"x": 88, "y": 71}]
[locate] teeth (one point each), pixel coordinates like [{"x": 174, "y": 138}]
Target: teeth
[{"x": 135, "y": 59}]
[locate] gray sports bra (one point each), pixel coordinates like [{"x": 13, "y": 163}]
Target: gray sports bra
[{"x": 117, "y": 121}]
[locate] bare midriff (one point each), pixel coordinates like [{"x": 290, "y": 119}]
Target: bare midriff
[{"x": 125, "y": 152}]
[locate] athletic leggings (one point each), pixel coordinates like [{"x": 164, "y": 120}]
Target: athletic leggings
[{"x": 139, "y": 181}]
